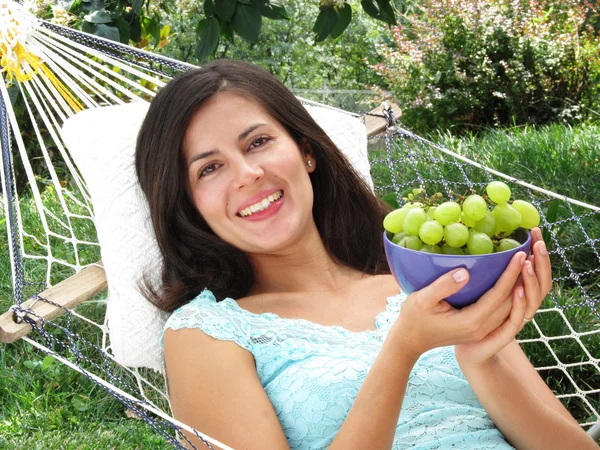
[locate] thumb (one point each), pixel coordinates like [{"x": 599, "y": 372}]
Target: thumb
[{"x": 446, "y": 285}]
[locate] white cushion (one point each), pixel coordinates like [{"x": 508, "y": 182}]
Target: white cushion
[{"x": 102, "y": 144}]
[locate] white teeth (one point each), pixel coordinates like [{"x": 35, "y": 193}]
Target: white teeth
[{"x": 261, "y": 205}]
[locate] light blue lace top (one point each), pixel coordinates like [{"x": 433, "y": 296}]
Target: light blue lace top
[{"x": 312, "y": 374}]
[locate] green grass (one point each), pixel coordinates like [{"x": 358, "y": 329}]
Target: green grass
[{"x": 44, "y": 404}]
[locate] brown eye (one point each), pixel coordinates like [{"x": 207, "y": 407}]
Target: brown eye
[
  {"x": 259, "y": 141},
  {"x": 207, "y": 170}
]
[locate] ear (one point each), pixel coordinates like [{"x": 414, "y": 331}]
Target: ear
[{"x": 309, "y": 158}]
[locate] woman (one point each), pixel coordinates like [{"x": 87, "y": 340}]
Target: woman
[{"x": 252, "y": 201}]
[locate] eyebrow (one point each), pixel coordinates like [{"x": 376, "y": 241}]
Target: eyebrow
[{"x": 241, "y": 137}]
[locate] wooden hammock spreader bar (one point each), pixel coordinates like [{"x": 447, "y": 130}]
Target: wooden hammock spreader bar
[
  {"x": 92, "y": 280},
  {"x": 375, "y": 121},
  {"x": 68, "y": 293}
]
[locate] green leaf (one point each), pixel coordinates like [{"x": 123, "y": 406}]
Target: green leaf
[
  {"x": 124, "y": 30},
  {"x": 380, "y": 10},
  {"x": 344, "y": 19},
  {"x": 151, "y": 26},
  {"x": 65, "y": 4},
  {"x": 48, "y": 362},
  {"x": 247, "y": 22},
  {"x": 207, "y": 37},
  {"x": 551, "y": 217},
  {"x": 209, "y": 8},
  {"x": 100, "y": 16},
  {"x": 226, "y": 30},
  {"x": 92, "y": 5},
  {"x": 274, "y": 10},
  {"x": 387, "y": 12},
  {"x": 325, "y": 22},
  {"x": 225, "y": 8},
  {"x": 81, "y": 402},
  {"x": 137, "y": 6},
  {"x": 135, "y": 30},
  {"x": 32, "y": 364},
  {"x": 101, "y": 30},
  {"x": 391, "y": 199}
]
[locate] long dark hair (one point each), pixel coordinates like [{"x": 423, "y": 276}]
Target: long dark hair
[{"x": 347, "y": 214}]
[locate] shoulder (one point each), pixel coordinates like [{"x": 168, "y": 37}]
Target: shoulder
[{"x": 205, "y": 319}]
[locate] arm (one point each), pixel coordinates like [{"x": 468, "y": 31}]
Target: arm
[
  {"x": 522, "y": 406},
  {"x": 214, "y": 387},
  {"x": 505, "y": 382}
]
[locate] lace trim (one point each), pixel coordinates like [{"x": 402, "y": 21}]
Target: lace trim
[{"x": 383, "y": 320}]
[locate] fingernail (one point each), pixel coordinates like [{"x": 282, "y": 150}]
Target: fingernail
[
  {"x": 460, "y": 276},
  {"x": 542, "y": 249},
  {"x": 520, "y": 292},
  {"x": 529, "y": 268},
  {"x": 523, "y": 258}
]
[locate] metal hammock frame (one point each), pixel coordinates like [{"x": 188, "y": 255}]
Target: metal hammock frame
[{"x": 32, "y": 314}]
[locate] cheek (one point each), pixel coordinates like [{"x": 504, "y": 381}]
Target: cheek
[{"x": 209, "y": 202}]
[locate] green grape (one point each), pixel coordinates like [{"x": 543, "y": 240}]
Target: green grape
[
  {"x": 507, "y": 244},
  {"x": 498, "y": 192},
  {"x": 411, "y": 242},
  {"x": 399, "y": 236},
  {"x": 529, "y": 213},
  {"x": 447, "y": 250},
  {"x": 456, "y": 235},
  {"x": 394, "y": 221},
  {"x": 431, "y": 211},
  {"x": 487, "y": 225},
  {"x": 480, "y": 244},
  {"x": 412, "y": 205},
  {"x": 431, "y": 249},
  {"x": 413, "y": 221},
  {"x": 508, "y": 217},
  {"x": 467, "y": 221},
  {"x": 447, "y": 212},
  {"x": 474, "y": 207},
  {"x": 431, "y": 232},
  {"x": 416, "y": 191}
]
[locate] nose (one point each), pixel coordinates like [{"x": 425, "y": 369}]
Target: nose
[{"x": 247, "y": 173}]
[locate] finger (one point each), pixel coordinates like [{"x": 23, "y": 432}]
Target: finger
[
  {"x": 506, "y": 332},
  {"x": 532, "y": 289},
  {"x": 498, "y": 316},
  {"x": 446, "y": 285},
  {"x": 502, "y": 289},
  {"x": 542, "y": 266}
]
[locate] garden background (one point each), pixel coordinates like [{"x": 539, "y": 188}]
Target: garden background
[{"x": 513, "y": 84}]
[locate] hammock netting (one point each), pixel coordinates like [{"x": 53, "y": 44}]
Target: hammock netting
[{"x": 50, "y": 229}]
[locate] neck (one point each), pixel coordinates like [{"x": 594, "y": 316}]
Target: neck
[{"x": 306, "y": 267}]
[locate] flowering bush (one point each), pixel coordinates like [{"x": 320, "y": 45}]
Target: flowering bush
[{"x": 469, "y": 64}]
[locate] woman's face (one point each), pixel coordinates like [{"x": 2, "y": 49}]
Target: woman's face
[{"x": 247, "y": 176}]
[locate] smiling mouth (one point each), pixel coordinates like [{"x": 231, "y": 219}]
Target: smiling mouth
[{"x": 265, "y": 203}]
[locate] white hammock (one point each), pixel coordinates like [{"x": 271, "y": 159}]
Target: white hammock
[{"x": 59, "y": 72}]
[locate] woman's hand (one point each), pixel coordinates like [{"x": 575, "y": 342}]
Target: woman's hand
[
  {"x": 427, "y": 321},
  {"x": 526, "y": 297}
]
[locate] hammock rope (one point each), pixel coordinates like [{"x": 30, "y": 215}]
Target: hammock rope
[{"x": 79, "y": 74}]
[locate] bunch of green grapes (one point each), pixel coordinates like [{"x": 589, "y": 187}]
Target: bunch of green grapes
[{"x": 463, "y": 227}]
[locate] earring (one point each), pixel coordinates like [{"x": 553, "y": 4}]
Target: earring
[{"x": 309, "y": 163}]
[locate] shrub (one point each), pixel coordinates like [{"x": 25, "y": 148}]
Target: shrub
[{"x": 468, "y": 64}]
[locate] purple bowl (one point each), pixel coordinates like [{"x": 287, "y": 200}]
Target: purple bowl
[{"x": 414, "y": 270}]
